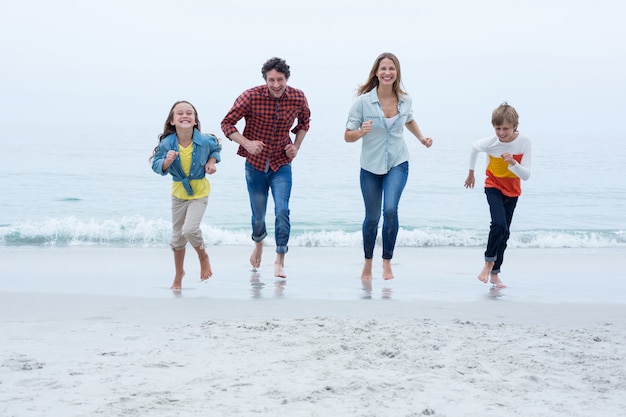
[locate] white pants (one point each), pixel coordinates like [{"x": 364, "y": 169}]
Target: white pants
[{"x": 186, "y": 219}]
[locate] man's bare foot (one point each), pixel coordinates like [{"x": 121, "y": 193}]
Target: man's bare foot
[
  {"x": 205, "y": 266},
  {"x": 387, "y": 272},
  {"x": 257, "y": 253},
  {"x": 279, "y": 271},
  {"x": 366, "y": 274},
  {"x": 495, "y": 280},
  {"x": 279, "y": 266},
  {"x": 486, "y": 272}
]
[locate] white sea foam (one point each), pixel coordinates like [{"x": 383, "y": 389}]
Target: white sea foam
[
  {"x": 141, "y": 232},
  {"x": 82, "y": 201}
]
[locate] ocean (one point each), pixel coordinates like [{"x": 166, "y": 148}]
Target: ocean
[{"x": 93, "y": 186}]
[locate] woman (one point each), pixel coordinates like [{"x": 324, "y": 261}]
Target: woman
[{"x": 378, "y": 116}]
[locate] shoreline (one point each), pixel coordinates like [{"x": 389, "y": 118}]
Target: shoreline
[
  {"x": 439, "y": 273},
  {"x": 96, "y": 332}
]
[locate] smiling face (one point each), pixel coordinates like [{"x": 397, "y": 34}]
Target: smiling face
[
  {"x": 183, "y": 116},
  {"x": 387, "y": 72},
  {"x": 276, "y": 82},
  {"x": 506, "y": 132}
]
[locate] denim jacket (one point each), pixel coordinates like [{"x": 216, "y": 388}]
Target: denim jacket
[
  {"x": 205, "y": 147},
  {"x": 383, "y": 148}
]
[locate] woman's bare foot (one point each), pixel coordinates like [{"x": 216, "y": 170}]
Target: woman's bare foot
[
  {"x": 257, "y": 253},
  {"x": 495, "y": 280},
  {"x": 486, "y": 272},
  {"x": 366, "y": 274},
  {"x": 387, "y": 272},
  {"x": 279, "y": 266}
]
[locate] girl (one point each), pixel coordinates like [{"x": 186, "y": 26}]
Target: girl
[{"x": 187, "y": 155}]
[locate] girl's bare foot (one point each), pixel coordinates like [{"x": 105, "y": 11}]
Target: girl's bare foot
[
  {"x": 366, "y": 274},
  {"x": 486, "y": 272},
  {"x": 205, "y": 266},
  {"x": 178, "y": 280},
  {"x": 257, "y": 253},
  {"x": 387, "y": 272},
  {"x": 179, "y": 265},
  {"x": 495, "y": 280}
]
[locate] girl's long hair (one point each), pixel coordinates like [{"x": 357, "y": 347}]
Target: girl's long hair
[{"x": 168, "y": 128}]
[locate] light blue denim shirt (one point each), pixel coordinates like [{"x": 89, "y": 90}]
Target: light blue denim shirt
[
  {"x": 383, "y": 148},
  {"x": 205, "y": 147}
]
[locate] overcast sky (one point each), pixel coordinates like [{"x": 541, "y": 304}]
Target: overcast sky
[{"x": 562, "y": 64}]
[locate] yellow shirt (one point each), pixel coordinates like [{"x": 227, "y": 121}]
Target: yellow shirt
[{"x": 201, "y": 188}]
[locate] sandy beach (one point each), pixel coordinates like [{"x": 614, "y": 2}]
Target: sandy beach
[{"x": 97, "y": 332}]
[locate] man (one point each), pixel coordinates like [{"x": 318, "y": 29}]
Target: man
[{"x": 269, "y": 111}]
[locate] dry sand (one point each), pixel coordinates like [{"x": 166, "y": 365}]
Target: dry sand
[{"x": 229, "y": 350}]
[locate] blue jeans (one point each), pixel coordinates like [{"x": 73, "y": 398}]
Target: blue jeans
[
  {"x": 259, "y": 183},
  {"x": 501, "y": 208},
  {"x": 386, "y": 190}
]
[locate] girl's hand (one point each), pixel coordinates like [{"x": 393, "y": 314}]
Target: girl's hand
[
  {"x": 210, "y": 168},
  {"x": 170, "y": 157}
]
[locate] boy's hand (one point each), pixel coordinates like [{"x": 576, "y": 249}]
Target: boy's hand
[
  {"x": 509, "y": 158},
  {"x": 469, "y": 181}
]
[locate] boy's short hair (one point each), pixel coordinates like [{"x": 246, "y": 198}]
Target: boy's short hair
[{"x": 505, "y": 113}]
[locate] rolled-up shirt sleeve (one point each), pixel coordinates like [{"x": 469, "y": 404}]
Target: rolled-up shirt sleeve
[{"x": 235, "y": 114}]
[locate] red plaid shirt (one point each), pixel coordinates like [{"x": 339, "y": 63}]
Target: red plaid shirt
[{"x": 268, "y": 120}]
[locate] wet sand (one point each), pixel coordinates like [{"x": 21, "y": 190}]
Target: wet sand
[{"x": 98, "y": 331}]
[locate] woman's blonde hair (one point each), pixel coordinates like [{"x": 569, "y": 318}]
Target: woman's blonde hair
[{"x": 372, "y": 80}]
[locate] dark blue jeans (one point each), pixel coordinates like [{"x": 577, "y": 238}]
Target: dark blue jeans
[
  {"x": 259, "y": 183},
  {"x": 501, "y": 208},
  {"x": 386, "y": 190}
]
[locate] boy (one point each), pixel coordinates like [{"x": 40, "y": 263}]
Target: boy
[{"x": 508, "y": 162}]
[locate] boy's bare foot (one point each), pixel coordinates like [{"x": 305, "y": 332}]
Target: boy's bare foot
[
  {"x": 257, "y": 253},
  {"x": 486, "y": 272},
  {"x": 205, "y": 266},
  {"x": 387, "y": 272},
  {"x": 366, "y": 274},
  {"x": 495, "y": 280},
  {"x": 279, "y": 265}
]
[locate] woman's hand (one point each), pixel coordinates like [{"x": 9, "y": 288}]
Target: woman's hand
[{"x": 428, "y": 142}]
